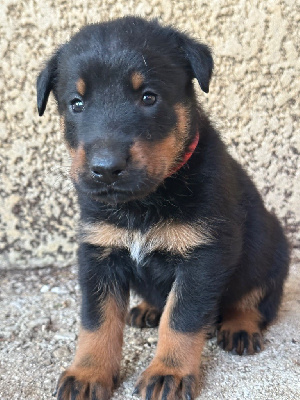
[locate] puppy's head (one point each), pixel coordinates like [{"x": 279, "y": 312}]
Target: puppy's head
[{"x": 125, "y": 95}]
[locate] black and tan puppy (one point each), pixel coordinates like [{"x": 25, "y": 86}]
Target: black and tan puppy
[{"x": 165, "y": 210}]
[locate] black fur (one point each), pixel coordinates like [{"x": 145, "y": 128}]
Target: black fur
[{"x": 249, "y": 250}]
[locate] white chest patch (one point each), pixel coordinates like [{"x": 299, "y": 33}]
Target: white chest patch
[{"x": 137, "y": 248}]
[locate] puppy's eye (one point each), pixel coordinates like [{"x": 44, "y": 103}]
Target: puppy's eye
[
  {"x": 77, "y": 105},
  {"x": 149, "y": 99}
]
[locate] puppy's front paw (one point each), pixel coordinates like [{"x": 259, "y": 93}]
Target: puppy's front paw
[
  {"x": 160, "y": 382},
  {"x": 240, "y": 342},
  {"x": 84, "y": 384},
  {"x": 240, "y": 332}
]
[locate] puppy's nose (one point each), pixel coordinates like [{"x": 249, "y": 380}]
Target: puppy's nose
[{"x": 107, "y": 169}]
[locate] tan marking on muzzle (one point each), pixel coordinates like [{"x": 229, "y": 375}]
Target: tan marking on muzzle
[
  {"x": 78, "y": 160},
  {"x": 159, "y": 158}
]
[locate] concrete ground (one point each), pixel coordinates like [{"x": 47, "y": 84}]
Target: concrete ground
[{"x": 39, "y": 314}]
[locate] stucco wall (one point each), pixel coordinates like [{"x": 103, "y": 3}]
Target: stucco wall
[{"x": 254, "y": 100}]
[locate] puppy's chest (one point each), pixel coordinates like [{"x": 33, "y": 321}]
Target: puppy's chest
[
  {"x": 166, "y": 236},
  {"x": 138, "y": 246}
]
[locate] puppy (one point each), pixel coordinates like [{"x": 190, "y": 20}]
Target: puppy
[{"x": 164, "y": 210}]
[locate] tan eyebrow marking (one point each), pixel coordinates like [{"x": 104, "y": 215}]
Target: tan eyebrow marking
[
  {"x": 81, "y": 86},
  {"x": 137, "y": 80}
]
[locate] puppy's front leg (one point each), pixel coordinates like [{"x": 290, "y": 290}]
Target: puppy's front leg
[
  {"x": 174, "y": 371},
  {"x": 190, "y": 308},
  {"x": 95, "y": 369}
]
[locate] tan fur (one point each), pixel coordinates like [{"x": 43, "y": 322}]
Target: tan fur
[
  {"x": 177, "y": 354},
  {"x": 183, "y": 121},
  {"x": 137, "y": 80},
  {"x": 78, "y": 160},
  {"x": 184, "y": 348},
  {"x": 81, "y": 86},
  {"x": 159, "y": 158},
  {"x": 234, "y": 321},
  {"x": 169, "y": 236},
  {"x": 99, "y": 352},
  {"x": 251, "y": 300}
]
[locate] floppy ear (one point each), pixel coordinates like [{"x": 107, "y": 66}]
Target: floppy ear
[
  {"x": 200, "y": 60},
  {"x": 45, "y": 83}
]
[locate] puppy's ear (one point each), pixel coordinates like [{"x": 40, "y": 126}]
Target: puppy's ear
[
  {"x": 200, "y": 60},
  {"x": 45, "y": 82}
]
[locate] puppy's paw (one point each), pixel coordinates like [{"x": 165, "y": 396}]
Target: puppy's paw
[
  {"x": 159, "y": 382},
  {"x": 240, "y": 332},
  {"x": 143, "y": 316},
  {"x": 240, "y": 342},
  {"x": 79, "y": 384}
]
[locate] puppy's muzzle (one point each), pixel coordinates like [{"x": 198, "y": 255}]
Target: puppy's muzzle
[
  {"x": 107, "y": 169},
  {"x": 107, "y": 163}
]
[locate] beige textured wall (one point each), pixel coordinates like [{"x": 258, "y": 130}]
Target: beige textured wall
[{"x": 254, "y": 100}]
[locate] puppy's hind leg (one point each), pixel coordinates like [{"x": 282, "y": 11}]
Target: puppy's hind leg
[{"x": 143, "y": 316}]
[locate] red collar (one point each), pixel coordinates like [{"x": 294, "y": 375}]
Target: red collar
[{"x": 187, "y": 155}]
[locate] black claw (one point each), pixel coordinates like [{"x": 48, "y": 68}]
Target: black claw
[
  {"x": 136, "y": 391},
  {"x": 256, "y": 342},
  {"x": 168, "y": 382},
  {"x": 149, "y": 391},
  {"x": 223, "y": 341},
  {"x": 58, "y": 386},
  {"x": 241, "y": 340},
  {"x": 75, "y": 390},
  {"x": 65, "y": 386},
  {"x": 257, "y": 348},
  {"x": 211, "y": 333},
  {"x": 94, "y": 394},
  {"x": 116, "y": 380},
  {"x": 220, "y": 341},
  {"x": 189, "y": 382},
  {"x": 60, "y": 394}
]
